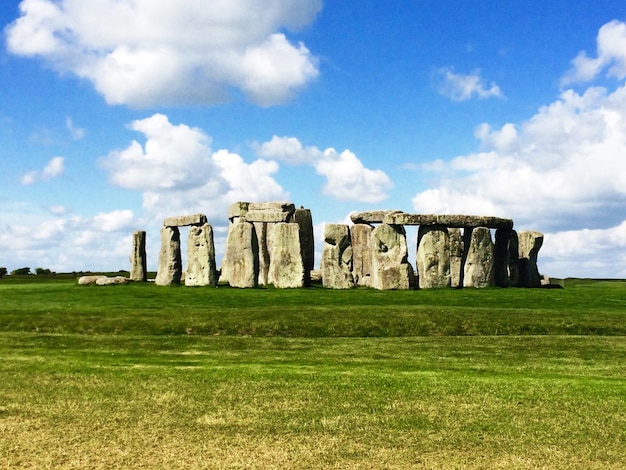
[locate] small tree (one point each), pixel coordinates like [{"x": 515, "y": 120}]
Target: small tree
[
  {"x": 3, "y": 272},
  {"x": 20, "y": 271},
  {"x": 43, "y": 272}
]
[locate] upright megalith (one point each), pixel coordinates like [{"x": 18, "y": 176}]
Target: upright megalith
[
  {"x": 138, "y": 270},
  {"x": 170, "y": 264},
  {"x": 286, "y": 266},
  {"x": 530, "y": 243},
  {"x": 361, "y": 238},
  {"x": 456, "y": 257},
  {"x": 506, "y": 268},
  {"x": 201, "y": 267},
  {"x": 390, "y": 266},
  {"x": 241, "y": 258},
  {"x": 433, "y": 257},
  {"x": 336, "y": 263},
  {"x": 479, "y": 258},
  {"x": 304, "y": 219}
]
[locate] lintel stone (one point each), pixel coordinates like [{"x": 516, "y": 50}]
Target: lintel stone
[
  {"x": 448, "y": 220},
  {"x": 270, "y": 212},
  {"x": 183, "y": 220},
  {"x": 372, "y": 217}
]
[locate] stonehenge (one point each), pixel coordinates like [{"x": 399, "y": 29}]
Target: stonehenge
[
  {"x": 269, "y": 243},
  {"x": 272, "y": 243}
]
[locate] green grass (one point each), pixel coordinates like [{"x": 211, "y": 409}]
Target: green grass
[{"x": 139, "y": 376}]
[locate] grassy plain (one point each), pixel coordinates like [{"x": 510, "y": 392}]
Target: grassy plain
[{"x": 139, "y": 376}]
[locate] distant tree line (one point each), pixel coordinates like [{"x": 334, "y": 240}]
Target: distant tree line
[{"x": 26, "y": 271}]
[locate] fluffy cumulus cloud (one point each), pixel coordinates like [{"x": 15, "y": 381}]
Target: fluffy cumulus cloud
[
  {"x": 144, "y": 53},
  {"x": 562, "y": 172},
  {"x": 66, "y": 242},
  {"x": 347, "y": 179},
  {"x": 562, "y": 168},
  {"x": 176, "y": 171},
  {"x": 463, "y": 87},
  {"x": 54, "y": 168},
  {"x": 611, "y": 56}
]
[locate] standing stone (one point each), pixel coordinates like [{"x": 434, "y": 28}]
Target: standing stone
[
  {"x": 170, "y": 263},
  {"x": 360, "y": 235},
  {"x": 201, "y": 268},
  {"x": 390, "y": 266},
  {"x": 506, "y": 269},
  {"x": 433, "y": 257},
  {"x": 529, "y": 245},
  {"x": 138, "y": 270},
  {"x": 241, "y": 258},
  {"x": 304, "y": 220},
  {"x": 479, "y": 260},
  {"x": 286, "y": 266},
  {"x": 336, "y": 263},
  {"x": 456, "y": 257}
]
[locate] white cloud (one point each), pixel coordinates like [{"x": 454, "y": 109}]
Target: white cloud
[
  {"x": 76, "y": 132},
  {"x": 288, "y": 150},
  {"x": 54, "y": 168},
  {"x": 586, "y": 253},
  {"x": 347, "y": 179},
  {"x": 30, "y": 236},
  {"x": 560, "y": 169},
  {"x": 177, "y": 172},
  {"x": 463, "y": 87},
  {"x": 155, "y": 53},
  {"x": 116, "y": 221},
  {"x": 611, "y": 54}
]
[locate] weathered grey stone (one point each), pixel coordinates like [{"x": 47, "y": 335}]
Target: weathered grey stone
[
  {"x": 390, "y": 266},
  {"x": 201, "y": 267},
  {"x": 238, "y": 209},
  {"x": 138, "y": 270},
  {"x": 506, "y": 268},
  {"x": 184, "y": 220},
  {"x": 530, "y": 243},
  {"x": 336, "y": 263},
  {"x": 270, "y": 212},
  {"x": 456, "y": 257},
  {"x": 170, "y": 264},
  {"x": 479, "y": 258},
  {"x": 448, "y": 220},
  {"x": 304, "y": 219},
  {"x": 360, "y": 235},
  {"x": 241, "y": 259},
  {"x": 433, "y": 257},
  {"x": 286, "y": 266},
  {"x": 371, "y": 217},
  {"x": 87, "y": 280},
  {"x": 111, "y": 281}
]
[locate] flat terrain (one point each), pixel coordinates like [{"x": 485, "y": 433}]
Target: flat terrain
[{"x": 139, "y": 376}]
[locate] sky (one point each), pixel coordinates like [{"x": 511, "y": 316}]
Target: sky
[{"x": 115, "y": 114}]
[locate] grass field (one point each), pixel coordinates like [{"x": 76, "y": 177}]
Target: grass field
[{"x": 139, "y": 376}]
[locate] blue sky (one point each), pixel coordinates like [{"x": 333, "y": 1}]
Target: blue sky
[{"x": 115, "y": 114}]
